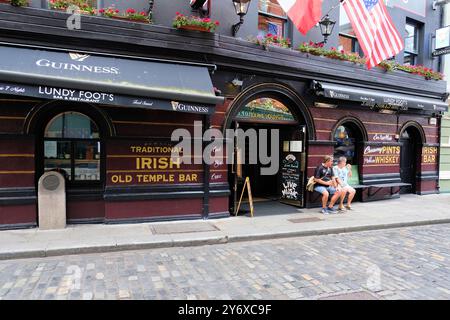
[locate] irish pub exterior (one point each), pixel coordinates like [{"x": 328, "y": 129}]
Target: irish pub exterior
[{"x": 99, "y": 104}]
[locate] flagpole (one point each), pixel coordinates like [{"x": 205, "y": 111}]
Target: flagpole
[{"x": 332, "y": 8}]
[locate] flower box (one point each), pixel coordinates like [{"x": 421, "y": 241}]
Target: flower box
[
  {"x": 129, "y": 19},
  {"x": 17, "y": 3},
  {"x": 193, "y": 23},
  {"x": 194, "y": 28}
]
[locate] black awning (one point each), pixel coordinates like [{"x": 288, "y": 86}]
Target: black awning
[
  {"x": 377, "y": 98},
  {"x": 139, "y": 78}
]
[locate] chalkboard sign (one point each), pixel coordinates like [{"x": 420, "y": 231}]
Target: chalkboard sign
[{"x": 291, "y": 179}]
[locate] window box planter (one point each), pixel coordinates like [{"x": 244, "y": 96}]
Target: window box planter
[
  {"x": 16, "y": 3},
  {"x": 194, "y": 28},
  {"x": 130, "y": 19}
]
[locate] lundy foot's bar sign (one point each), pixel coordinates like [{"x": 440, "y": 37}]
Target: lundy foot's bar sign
[
  {"x": 70, "y": 73},
  {"x": 87, "y": 96}
]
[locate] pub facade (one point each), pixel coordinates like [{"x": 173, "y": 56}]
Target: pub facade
[{"x": 100, "y": 103}]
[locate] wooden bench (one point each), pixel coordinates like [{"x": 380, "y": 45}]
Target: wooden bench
[{"x": 378, "y": 187}]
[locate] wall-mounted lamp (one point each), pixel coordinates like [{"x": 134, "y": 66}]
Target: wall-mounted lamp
[
  {"x": 326, "y": 27},
  {"x": 241, "y": 7}
]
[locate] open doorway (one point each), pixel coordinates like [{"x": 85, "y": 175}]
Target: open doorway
[
  {"x": 410, "y": 156},
  {"x": 282, "y": 129}
]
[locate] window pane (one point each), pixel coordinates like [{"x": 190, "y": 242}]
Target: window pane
[
  {"x": 270, "y": 25},
  {"x": 87, "y": 160},
  {"x": 57, "y": 156},
  {"x": 345, "y": 144},
  {"x": 72, "y": 125},
  {"x": 411, "y": 38}
]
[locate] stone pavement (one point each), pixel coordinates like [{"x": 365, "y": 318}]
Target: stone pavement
[
  {"x": 274, "y": 221},
  {"x": 403, "y": 263}
]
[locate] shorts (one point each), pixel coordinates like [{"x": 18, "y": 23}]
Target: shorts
[{"x": 321, "y": 189}]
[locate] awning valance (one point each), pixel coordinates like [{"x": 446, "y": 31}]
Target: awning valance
[
  {"x": 378, "y": 98},
  {"x": 167, "y": 85}
]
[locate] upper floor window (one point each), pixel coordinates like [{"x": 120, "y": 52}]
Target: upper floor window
[
  {"x": 271, "y": 19},
  {"x": 347, "y": 36},
  {"x": 411, "y": 43}
]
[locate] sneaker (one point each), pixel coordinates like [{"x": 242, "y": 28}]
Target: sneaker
[
  {"x": 331, "y": 210},
  {"x": 324, "y": 211}
]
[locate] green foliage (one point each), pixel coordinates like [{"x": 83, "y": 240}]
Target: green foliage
[
  {"x": 19, "y": 3},
  {"x": 181, "y": 20},
  {"x": 317, "y": 49}
]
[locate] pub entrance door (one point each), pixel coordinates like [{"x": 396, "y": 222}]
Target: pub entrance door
[
  {"x": 287, "y": 185},
  {"x": 408, "y": 161}
]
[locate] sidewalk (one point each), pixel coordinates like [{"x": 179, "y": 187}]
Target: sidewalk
[{"x": 409, "y": 210}]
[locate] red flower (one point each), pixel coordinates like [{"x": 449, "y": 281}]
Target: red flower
[
  {"x": 117, "y": 11},
  {"x": 142, "y": 13},
  {"x": 217, "y": 23},
  {"x": 101, "y": 10},
  {"x": 207, "y": 20},
  {"x": 269, "y": 35},
  {"x": 130, "y": 11},
  {"x": 177, "y": 13}
]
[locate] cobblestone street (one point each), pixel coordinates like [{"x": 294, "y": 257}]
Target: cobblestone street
[{"x": 407, "y": 263}]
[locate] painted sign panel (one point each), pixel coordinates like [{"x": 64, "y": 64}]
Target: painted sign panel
[
  {"x": 146, "y": 163},
  {"x": 415, "y": 6},
  {"x": 266, "y": 109},
  {"x": 429, "y": 155},
  {"x": 389, "y": 155}
]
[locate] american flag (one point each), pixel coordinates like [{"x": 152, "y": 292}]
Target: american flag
[{"x": 376, "y": 33}]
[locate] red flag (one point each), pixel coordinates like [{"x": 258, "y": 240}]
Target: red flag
[{"x": 304, "y": 13}]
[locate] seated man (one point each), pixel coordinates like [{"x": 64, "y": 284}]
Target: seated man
[
  {"x": 343, "y": 171},
  {"x": 326, "y": 184}
]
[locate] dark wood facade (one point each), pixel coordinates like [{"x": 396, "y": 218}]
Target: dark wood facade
[{"x": 282, "y": 73}]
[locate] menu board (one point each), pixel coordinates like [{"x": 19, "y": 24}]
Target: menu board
[{"x": 291, "y": 178}]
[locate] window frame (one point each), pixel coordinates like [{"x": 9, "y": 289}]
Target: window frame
[
  {"x": 283, "y": 19},
  {"x": 72, "y": 182},
  {"x": 414, "y": 55}
]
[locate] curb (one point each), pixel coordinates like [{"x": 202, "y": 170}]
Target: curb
[{"x": 42, "y": 253}]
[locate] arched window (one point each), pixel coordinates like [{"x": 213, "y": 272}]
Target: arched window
[
  {"x": 72, "y": 147},
  {"x": 345, "y": 144}
]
